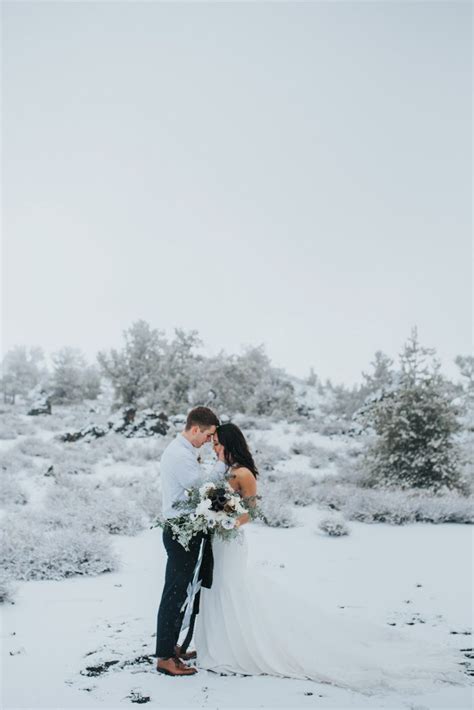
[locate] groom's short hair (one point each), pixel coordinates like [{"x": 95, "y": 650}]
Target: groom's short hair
[{"x": 203, "y": 417}]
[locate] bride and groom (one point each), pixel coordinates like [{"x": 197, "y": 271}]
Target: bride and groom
[
  {"x": 180, "y": 471},
  {"x": 245, "y": 624}
]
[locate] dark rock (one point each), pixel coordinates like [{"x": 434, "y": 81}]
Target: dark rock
[
  {"x": 137, "y": 697},
  {"x": 140, "y": 424},
  {"x": 93, "y": 671},
  {"x": 42, "y": 405},
  {"x": 88, "y": 433}
]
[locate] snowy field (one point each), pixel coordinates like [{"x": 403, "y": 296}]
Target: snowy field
[{"x": 86, "y": 642}]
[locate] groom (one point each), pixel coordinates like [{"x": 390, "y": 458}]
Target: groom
[{"x": 180, "y": 470}]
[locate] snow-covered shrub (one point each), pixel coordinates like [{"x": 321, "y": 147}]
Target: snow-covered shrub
[
  {"x": 296, "y": 488},
  {"x": 34, "y": 552},
  {"x": 334, "y": 527},
  {"x": 7, "y": 433},
  {"x": 91, "y": 508},
  {"x": 11, "y": 492},
  {"x": 276, "y": 511},
  {"x": 266, "y": 455},
  {"x": 144, "y": 491},
  {"x": 7, "y": 589},
  {"x": 115, "y": 447},
  {"x": 75, "y": 458},
  {"x": 303, "y": 447},
  {"x": 33, "y": 446},
  {"x": 246, "y": 422},
  {"x": 312, "y": 424},
  {"x": 394, "y": 506},
  {"x": 336, "y": 427},
  {"x": 14, "y": 462},
  {"x": 321, "y": 458},
  {"x": 20, "y": 425},
  {"x": 146, "y": 450}
]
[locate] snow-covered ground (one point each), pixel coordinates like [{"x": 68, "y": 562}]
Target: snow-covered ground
[
  {"x": 88, "y": 642},
  {"x": 410, "y": 576}
]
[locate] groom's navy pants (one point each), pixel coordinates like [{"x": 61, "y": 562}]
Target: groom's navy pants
[{"x": 179, "y": 573}]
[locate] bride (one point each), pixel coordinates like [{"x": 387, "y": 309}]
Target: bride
[{"x": 248, "y": 625}]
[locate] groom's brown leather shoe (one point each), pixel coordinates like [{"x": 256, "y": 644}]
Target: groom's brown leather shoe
[
  {"x": 186, "y": 656},
  {"x": 173, "y": 666}
]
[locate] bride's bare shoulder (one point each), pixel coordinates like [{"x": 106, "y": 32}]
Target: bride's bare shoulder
[{"x": 243, "y": 472}]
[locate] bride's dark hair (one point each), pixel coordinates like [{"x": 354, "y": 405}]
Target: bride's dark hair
[{"x": 236, "y": 450}]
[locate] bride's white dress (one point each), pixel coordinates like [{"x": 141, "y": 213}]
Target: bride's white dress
[{"x": 249, "y": 625}]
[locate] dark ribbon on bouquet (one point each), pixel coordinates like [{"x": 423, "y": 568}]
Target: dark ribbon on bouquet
[{"x": 202, "y": 577}]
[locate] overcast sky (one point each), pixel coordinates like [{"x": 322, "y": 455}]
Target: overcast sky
[{"x": 294, "y": 174}]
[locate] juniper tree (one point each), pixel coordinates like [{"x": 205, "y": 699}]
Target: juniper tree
[
  {"x": 73, "y": 380},
  {"x": 22, "y": 369}
]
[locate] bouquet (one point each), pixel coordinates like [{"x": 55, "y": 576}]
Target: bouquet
[{"x": 213, "y": 507}]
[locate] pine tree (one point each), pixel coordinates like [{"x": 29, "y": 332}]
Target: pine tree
[{"x": 415, "y": 422}]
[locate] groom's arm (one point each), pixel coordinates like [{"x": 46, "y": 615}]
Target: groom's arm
[{"x": 187, "y": 470}]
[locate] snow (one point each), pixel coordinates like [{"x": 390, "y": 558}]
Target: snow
[{"x": 57, "y": 629}]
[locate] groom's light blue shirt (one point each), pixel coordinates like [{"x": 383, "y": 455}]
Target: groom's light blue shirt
[{"x": 179, "y": 470}]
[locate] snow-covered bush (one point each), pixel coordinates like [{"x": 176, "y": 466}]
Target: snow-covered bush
[
  {"x": 113, "y": 446},
  {"x": 394, "y": 506},
  {"x": 20, "y": 426},
  {"x": 33, "y": 446},
  {"x": 90, "y": 508},
  {"x": 144, "y": 491},
  {"x": 14, "y": 462},
  {"x": 303, "y": 447},
  {"x": 246, "y": 422},
  {"x": 149, "y": 450},
  {"x": 11, "y": 492},
  {"x": 319, "y": 456},
  {"x": 7, "y": 589},
  {"x": 267, "y": 456},
  {"x": 334, "y": 527},
  {"x": 74, "y": 458},
  {"x": 276, "y": 511},
  {"x": 296, "y": 488},
  {"x": 7, "y": 433},
  {"x": 35, "y": 552},
  {"x": 336, "y": 426}
]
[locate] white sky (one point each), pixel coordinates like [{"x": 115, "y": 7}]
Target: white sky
[{"x": 297, "y": 174}]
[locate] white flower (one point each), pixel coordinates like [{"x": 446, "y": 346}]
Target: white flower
[
  {"x": 206, "y": 489},
  {"x": 228, "y": 523},
  {"x": 203, "y": 507}
]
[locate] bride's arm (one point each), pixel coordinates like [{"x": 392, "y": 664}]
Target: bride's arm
[{"x": 248, "y": 489}]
